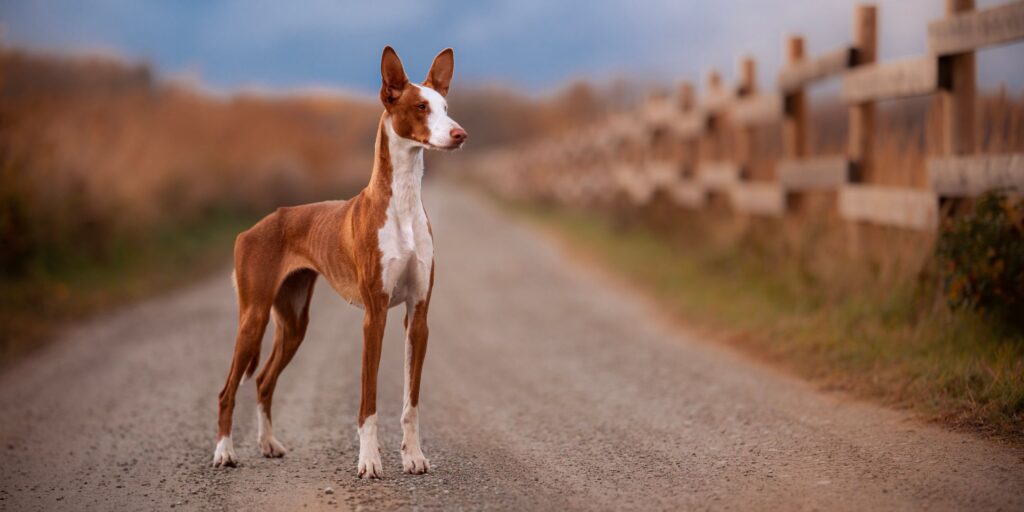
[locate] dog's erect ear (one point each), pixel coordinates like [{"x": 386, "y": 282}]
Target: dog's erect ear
[
  {"x": 392, "y": 75},
  {"x": 440, "y": 75}
]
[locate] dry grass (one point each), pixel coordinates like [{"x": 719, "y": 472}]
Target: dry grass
[
  {"x": 878, "y": 334},
  {"x": 102, "y": 146},
  {"x": 98, "y": 158}
]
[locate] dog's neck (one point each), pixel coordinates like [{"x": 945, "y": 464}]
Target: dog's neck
[{"x": 397, "y": 168}]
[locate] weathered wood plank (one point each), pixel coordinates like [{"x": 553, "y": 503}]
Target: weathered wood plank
[
  {"x": 813, "y": 173},
  {"x": 952, "y": 114},
  {"x": 861, "y": 121},
  {"x": 688, "y": 193},
  {"x": 637, "y": 187},
  {"x": 897, "y": 79},
  {"x": 689, "y": 125},
  {"x": 803, "y": 72},
  {"x": 659, "y": 112},
  {"x": 975, "y": 175},
  {"x": 763, "y": 108},
  {"x": 758, "y": 198},
  {"x": 890, "y": 206},
  {"x": 718, "y": 174},
  {"x": 718, "y": 99},
  {"x": 795, "y": 125},
  {"x": 662, "y": 173},
  {"x": 627, "y": 127},
  {"x": 977, "y": 29}
]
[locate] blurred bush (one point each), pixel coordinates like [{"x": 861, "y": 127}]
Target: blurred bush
[
  {"x": 499, "y": 117},
  {"x": 94, "y": 152},
  {"x": 981, "y": 255}
]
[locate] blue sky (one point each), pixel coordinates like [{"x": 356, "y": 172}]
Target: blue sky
[{"x": 535, "y": 45}]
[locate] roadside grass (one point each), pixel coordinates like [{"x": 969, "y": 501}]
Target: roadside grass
[
  {"x": 895, "y": 343},
  {"x": 63, "y": 284}
]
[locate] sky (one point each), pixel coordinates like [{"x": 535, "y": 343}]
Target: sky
[{"x": 533, "y": 45}]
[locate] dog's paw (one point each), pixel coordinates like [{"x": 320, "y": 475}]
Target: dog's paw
[
  {"x": 224, "y": 454},
  {"x": 415, "y": 463},
  {"x": 369, "y": 450},
  {"x": 370, "y": 466},
  {"x": 272, "y": 448}
]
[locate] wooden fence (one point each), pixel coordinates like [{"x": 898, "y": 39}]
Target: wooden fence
[{"x": 710, "y": 144}]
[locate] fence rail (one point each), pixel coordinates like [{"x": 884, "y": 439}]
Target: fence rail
[{"x": 717, "y": 134}]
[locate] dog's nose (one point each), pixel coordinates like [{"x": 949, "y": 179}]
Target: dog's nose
[{"x": 458, "y": 134}]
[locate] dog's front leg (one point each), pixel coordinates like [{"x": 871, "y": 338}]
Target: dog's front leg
[
  {"x": 373, "y": 333},
  {"x": 413, "y": 460}
]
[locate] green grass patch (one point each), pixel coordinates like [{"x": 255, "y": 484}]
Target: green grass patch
[
  {"x": 63, "y": 284},
  {"x": 895, "y": 343}
]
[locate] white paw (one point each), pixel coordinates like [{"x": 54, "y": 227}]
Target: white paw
[
  {"x": 224, "y": 454},
  {"x": 415, "y": 463},
  {"x": 271, "y": 447},
  {"x": 370, "y": 466},
  {"x": 369, "y": 450}
]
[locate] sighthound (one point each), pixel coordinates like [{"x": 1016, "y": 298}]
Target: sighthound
[{"x": 376, "y": 250}]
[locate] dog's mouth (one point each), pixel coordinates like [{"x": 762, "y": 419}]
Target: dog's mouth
[{"x": 451, "y": 147}]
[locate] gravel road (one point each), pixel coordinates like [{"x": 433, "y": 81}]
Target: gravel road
[{"x": 545, "y": 387}]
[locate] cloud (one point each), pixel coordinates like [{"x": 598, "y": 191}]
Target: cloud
[
  {"x": 534, "y": 44},
  {"x": 252, "y": 24}
]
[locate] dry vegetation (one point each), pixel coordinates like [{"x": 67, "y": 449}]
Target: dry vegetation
[
  {"x": 498, "y": 117},
  {"x": 897, "y": 343},
  {"x": 98, "y": 148},
  {"x": 98, "y": 159}
]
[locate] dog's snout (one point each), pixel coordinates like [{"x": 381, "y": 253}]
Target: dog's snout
[{"x": 458, "y": 134}]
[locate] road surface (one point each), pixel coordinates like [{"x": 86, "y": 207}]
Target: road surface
[{"x": 545, "y": 388}]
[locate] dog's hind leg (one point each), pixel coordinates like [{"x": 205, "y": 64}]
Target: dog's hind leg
[
  {"x": 291, "y": 316},
  {"x": 251, "y": 325},
  {"x": 255, "y": 298}
]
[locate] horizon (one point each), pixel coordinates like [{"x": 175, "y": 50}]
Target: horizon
[{"x": 236, "y": 47}]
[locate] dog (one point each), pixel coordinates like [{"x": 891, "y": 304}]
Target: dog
[{"x": 376, "y": 250}]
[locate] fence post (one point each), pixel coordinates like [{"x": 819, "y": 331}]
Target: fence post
[
  {"x": 956, "y": 105},
  {"x": 686, "y": 97},
  {"x": 862, "y": 115},
  {"x": 795, "y": 127},
  {"x": 687, "y": 104},
  {"x": 656, "y": 143},
  {"x": 711, "y": 144},
  {"x": 745, "y": 135},
  {"x": 748, "y": 76}
]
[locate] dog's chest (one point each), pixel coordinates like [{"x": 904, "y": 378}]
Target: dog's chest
[{"x": 406, "y": 246}]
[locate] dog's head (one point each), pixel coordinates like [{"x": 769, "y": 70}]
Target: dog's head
[{"x": 419, "y": 112}]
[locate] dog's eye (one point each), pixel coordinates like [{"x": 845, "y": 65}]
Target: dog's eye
[{"x": 422, "y": 106}]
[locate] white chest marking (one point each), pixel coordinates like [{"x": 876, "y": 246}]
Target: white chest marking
[{"x": 406, "y": 247}]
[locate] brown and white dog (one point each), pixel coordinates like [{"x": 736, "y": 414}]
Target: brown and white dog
[{"x": 375, "y": 249}]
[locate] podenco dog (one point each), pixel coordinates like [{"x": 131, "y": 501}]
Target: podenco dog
[{"x": 376, "y": 250}]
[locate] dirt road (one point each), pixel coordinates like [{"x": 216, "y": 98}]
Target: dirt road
[{"x": 544, "y": 388}]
